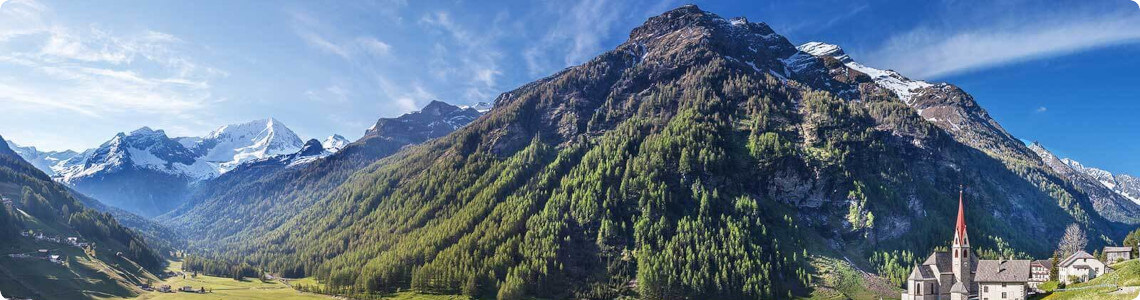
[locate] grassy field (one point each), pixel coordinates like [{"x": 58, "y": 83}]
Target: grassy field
[
  {"x": 228, "y": 288},
  {"x": 83, "y": 277},
  {"x": 1127, "y": 276},
  {"x": 837, "y": 279}
]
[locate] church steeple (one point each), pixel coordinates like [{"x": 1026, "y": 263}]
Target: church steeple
[
  {"x": 960, "y": 237},
  {"x": 962, "y": 260}
]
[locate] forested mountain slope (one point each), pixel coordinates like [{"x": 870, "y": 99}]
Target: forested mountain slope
[
  {"x": 118, "y": 262},
  {"x": 702, "y": 158}
]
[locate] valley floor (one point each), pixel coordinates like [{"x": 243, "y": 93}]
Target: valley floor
[{"x": 228, "y": 288}]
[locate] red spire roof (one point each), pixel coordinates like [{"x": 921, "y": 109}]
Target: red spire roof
[{"x": 960, "y": 228}]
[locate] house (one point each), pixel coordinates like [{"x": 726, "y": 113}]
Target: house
[
  {"x": 164, "y": 288},
  {"x": 1039, "y": 272},
  {"x": 1117, "y": 254},
  {"x": 1079, "y": 267},
  {"x": 1003, "y": 279},
  {"x": 72, "y": 240},
  {"x": 188, "y": 289},
  {"x": 55, "y": 259}
]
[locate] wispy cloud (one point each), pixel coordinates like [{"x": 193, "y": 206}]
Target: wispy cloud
[
  {"x": 927, "y": 51},
  {"x": 579, "y": 31},
  {"x": 318, "y": 35},
  {"x": 95, "y": 72},
  {"x": 465, "y": 56},
  {"x": 1041, "y": 109}
]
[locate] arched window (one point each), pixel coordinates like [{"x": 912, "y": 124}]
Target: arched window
[{"x": 955, "y": 253}]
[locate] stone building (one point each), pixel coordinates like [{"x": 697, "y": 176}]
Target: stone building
[{"x": 959, "y": 275}]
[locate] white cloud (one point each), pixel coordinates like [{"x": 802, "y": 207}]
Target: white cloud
[
  {"x": 927, "y": 52},
  {"x": 63, "y": 71},
  {"x": 1041, "y": 109}
]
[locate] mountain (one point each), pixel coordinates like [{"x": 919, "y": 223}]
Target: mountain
[
  {"x": 1099, "y": 185},
  {"x": 231, "y": 145},
  {"x": 114, "y": 266},
  {"x": 47, "y": 161},
  {"x": 257, "y": 196},
  {"x": 143, "y": 171},
  {"x": 147, "y": 172},
  {"x": 703, "y": 158},
  {"x": 481, "y": 107},
  {"x": 335, "y": 142},
  {"x": 1125, "y": 185}
]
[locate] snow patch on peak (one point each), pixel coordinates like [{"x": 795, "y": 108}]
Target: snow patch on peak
[
  {"x": 334, "y": 143},
  {"x": 739, "y": 21},
  {"x": 904, "y": 88},
  {"x": 821, "y": 49},
  {"x": 481, "y": 107},
  {"x": 231, "y": 145}
]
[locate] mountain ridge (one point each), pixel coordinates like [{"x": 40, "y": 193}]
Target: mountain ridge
[{"x": 612, "y": 172}]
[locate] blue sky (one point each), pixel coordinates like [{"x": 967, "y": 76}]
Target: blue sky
[{"x": 72, "y": 74}]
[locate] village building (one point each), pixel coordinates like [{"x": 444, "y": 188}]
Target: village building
[
  {"x": 1039, "y": 272},
  {"x": 1003, "y": 279},
  {"x": 960, "y": 275},
  {"x": 1079, "y": 267},
  {"x": 1117, "y": 254}
]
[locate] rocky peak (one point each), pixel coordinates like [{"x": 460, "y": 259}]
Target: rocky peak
[
  {"x": 311, "y": 147},
  {"x": 434, "y": 120}
]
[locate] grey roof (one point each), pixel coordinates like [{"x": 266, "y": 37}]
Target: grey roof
[
  {"x": 943, "y": 261},
  {"x": 1002, "y": 271},
  {"x": 959, "y": 288},
  {"x": 1117, "y": 249},
  {"x": 922, "y": 272},
  {"x": 939, "y": 259},
  {"x": 1047, "y": 264},
  {"x": 1079, "y": 255}
]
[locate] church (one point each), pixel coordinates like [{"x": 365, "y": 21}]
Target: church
[{"x": 959, "y": 275}]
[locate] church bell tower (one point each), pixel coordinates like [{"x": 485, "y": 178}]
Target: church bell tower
[{"x": 960, "y": 248}]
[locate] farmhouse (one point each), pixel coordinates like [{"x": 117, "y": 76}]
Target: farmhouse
[
  {"x": 1039, "y": 272},
  {"x": 1079, "y": 267},
  {"x": 1117, "y": 254},
  {"x": 1003, "y": 279}
]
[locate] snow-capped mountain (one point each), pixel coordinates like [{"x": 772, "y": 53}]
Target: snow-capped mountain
[
  {"x": 481, "y": 107},
  {"x": 335, "y": 142},
  {"x": 143, "y": 171},
  {"x": 229, "y": 146},
  {"x": 46, "y": 161},
  {"x": 1123, "y": 184},
  {"x": 310, "y": 151},
  {"x": 1111, "y": 199},
  {"x": 143, "y": 148}
]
